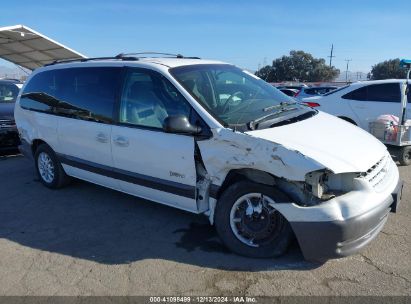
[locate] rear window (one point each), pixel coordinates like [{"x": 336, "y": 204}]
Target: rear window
[
  {"x": 317, "y": 91},
  {"x": 8, "y": 92},
  {"x": 337, "y": 90},
  {"x": 310, "y": 91}
]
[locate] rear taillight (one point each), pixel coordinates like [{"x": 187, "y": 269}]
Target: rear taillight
[{"x": 311, "y": 104}]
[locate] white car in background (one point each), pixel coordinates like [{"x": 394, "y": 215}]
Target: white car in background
[
  {"x": 362, "y": 102},
  {"x": 313, "y": 91}
]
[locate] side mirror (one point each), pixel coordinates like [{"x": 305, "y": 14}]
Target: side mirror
[{"x": 180, "y": 124}]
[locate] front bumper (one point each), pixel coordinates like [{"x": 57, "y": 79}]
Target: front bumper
[
  {"x": 321, "y": 241},
  {"x": 345, "y": 224},
  {"x": 9, "y": 138}
]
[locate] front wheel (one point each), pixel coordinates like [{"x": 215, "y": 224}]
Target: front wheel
[
  {"x": 49, "y": 168},
  {"x": 249, "y": 224}
]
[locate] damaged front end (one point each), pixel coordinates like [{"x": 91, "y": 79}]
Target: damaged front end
[
  {"x": 333, "y": 214},
  {"x": 258, "y": 160}
]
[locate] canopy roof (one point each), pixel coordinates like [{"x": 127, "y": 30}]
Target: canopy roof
[{"x": 25, "y": 47}]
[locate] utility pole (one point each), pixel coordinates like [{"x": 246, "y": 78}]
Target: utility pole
[
  {"x": 346, "y": 71},
  {"x": 331, "y": 55}
]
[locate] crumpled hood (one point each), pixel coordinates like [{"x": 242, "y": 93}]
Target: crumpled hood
[{"x": 332, "y": 142}]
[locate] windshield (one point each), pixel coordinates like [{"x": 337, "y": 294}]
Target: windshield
[
  {"x": 233, "y": 96},
  {"x": 8, "y": 92}
]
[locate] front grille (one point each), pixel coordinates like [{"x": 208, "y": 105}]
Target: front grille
[
  {"x": 7, "y": 123},
  {"x": 377, "y": 173}
]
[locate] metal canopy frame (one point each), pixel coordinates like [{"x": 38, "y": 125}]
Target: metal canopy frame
[{"x": 27, "y": 48}]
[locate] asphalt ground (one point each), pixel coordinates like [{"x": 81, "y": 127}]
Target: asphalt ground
[{"x": 89, "y": 240}]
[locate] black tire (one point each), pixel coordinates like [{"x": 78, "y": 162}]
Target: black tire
[
  {"x": 60, "y": 178},
  {"x": 279, "y": 239},
  {"x": 404, "y": 155}
]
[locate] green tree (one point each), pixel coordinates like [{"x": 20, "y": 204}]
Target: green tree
[
  {"x": 298, "y": 66},
  {"x": 387, "y": 69},
  {"x": 265, "y": 73}
]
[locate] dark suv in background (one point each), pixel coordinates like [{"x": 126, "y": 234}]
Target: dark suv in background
[{"x": 9, "y": 138}]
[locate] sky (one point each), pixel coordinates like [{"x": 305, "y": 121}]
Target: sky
[{"x": 246, "y": 33}]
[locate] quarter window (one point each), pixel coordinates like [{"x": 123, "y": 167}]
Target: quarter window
[
  {"x": 148, "y": 98},
  {"x": 358, "y": 94},
  {"x": 40, "y": 92}
]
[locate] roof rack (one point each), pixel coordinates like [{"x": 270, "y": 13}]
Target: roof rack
[
  {"x": 90, "y": 59},
  {"x": 121, "y": 56}
]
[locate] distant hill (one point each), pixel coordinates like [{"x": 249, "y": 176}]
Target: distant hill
[{"x": 11, "y": 72}]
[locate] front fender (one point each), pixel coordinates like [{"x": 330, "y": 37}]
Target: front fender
[{"x": 228, "y": 150}]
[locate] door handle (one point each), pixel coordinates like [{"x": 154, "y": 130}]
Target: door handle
[
  {"x": 121, "y": 141},
  {"x": 101, "y": 137}
]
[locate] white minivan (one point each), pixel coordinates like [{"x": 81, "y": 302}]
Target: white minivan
[{"x": 210, "y": 138}]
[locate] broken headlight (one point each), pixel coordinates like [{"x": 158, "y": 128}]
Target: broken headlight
[
  {"x": 326, "y": 185},
  {"x": 316, "y": 183}
]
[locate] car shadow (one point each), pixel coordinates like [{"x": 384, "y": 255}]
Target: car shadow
[
  {"x": 11, "y": 152},
  {"x": 98, "y": 224}
]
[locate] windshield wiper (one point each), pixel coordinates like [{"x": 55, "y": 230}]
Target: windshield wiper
[
  {"x": 254, "y": 123},
  {"x": 281, "y": 105}
]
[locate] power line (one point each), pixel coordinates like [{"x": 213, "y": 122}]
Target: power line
[
  {"x": 331, "y": 54},
  {"x": 346, "y": 71}
]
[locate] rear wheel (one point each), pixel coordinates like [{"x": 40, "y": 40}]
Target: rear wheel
[
  {"x": 49, "y": 168},
  {"x": 249, "y": 224}
]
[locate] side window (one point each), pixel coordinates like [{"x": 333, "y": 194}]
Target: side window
[
  {"x": 387, "y": 92},
  {"x": 81, "y": 93},
  {"x": 88, "y": 93},
  {"x": 358, "y": 94},
  {"x": 148, "y": 98}
]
